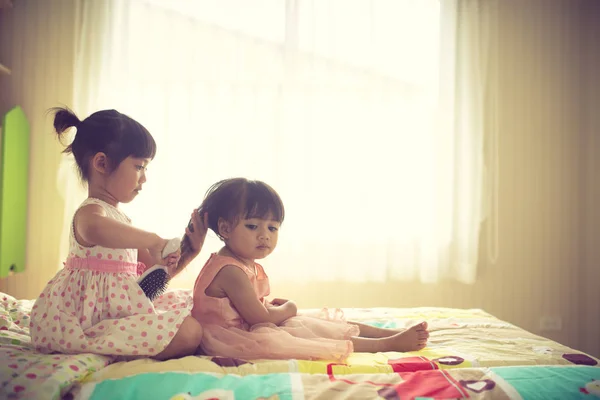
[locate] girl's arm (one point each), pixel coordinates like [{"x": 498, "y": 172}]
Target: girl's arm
[
  {"x": 236, "y": 286},
  {"x": 95, "y": 229},
  {"x": 144, "y": 257}
]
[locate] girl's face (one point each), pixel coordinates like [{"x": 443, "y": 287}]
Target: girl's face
[
  {"x": 125, "y": 183},
  {"x": 251, "y": 239}
]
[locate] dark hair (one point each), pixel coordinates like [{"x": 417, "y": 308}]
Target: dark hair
[
  {"x": 232, "y": 199},
  {"x": 107, "y": 131},
  {"x": 239, "y": 198}
]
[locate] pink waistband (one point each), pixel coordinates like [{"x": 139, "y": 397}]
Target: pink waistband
[{"x": 96, "y": 264}]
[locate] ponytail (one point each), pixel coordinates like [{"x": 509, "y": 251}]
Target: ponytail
[{"x": 64, "y": 119}]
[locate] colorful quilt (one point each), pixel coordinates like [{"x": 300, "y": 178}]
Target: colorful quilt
[
  {"x": 27, "y": 374},
  {"x": 538, "y": 382},
  {"x": 471, "y": 354}
]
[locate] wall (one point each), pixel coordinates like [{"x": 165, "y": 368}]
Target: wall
[
  {"x": 37, "y": 44},
  {"x": 590, "y": 160},
  {"x": 549, "y": 149}
]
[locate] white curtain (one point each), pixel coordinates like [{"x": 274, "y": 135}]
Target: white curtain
[{"x": 365, "y": 115}]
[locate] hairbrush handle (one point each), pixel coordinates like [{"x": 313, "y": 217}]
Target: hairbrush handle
[{"x": 171, "y": 247}]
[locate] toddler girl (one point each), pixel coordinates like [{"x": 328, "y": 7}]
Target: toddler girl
[{"x": 230, "y": 292}]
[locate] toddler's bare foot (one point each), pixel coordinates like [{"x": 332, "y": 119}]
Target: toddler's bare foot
[{"x": 411, "y": 339}]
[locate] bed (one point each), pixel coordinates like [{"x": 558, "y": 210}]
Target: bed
[{"x": 471, "y": 354}]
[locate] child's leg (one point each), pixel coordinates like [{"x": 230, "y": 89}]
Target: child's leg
[
  {"x": 368, "y": 331},
  {"x": 411, "y": 339},
  {"x": 185, "y": 342}
]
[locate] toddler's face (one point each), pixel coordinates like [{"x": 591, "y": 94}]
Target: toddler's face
[{"x": 254, "y": 238}]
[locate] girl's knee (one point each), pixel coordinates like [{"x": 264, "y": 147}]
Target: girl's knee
[{"x": 192, "y": 330}]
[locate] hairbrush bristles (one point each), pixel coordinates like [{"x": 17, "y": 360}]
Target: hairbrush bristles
[{"x": 154, "y": 281}]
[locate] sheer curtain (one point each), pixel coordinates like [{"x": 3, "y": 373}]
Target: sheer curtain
[{"x": 366, "y": 117}]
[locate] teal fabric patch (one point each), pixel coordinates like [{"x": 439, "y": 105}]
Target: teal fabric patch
[
  {"x": 572, "y": 382},
  {"x": 382, "y": 324},
  {"x": 184, "y": 386}
]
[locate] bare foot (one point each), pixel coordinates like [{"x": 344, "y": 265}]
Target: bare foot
[{"x": 411, "y": 339}]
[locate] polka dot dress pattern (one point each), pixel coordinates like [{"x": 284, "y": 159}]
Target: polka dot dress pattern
[
  {"x": 25, "y": 373},
  {"x": 94, "y": 305}
]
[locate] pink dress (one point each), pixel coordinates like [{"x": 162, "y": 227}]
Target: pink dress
[
  {"x": 227, "y": 334},
  {"x": 94, "y": 304}
]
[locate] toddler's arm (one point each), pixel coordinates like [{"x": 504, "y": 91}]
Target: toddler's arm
[
  {"x": 96, "y": 229},
  {"x": 236, "y": 286}
]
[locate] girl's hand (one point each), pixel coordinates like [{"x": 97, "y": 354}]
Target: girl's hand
[
  {"x": 291, "y": 310},
  {"x": 279, "y": 302},
  {"x": 197, "y": 233},
  {"x": 172, "y": 259},
  {"x": 156, "y": 252},
  {"x": 288, "y": 307}
]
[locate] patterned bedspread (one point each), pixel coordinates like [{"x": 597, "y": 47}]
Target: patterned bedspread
[
  {"x": 25, "y": 373},
  {"x": 471, "y": 354}
]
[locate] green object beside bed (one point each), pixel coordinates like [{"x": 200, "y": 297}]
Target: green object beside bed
[{"x": 14, "y": 181}]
